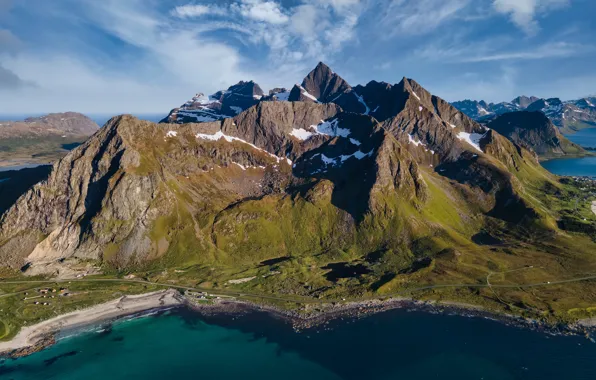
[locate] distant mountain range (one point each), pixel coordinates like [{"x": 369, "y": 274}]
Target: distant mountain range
[
  {"x": 568, "y": 116},
  {"x": 43, "y": 139},
  {"x": 66, "y": 124}
]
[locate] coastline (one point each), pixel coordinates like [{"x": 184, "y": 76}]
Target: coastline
[
  {"x": 31, "y": 339},
  {"x": 35, "y": 338}
]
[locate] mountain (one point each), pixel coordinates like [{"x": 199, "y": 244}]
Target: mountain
[
  {"x": 56, "y": 124},
  {"x": 306, "y": 198},
  {"x": 568, "y": 116},
  {"x": 534, "y": 131},
  {"x": 324, "y": 86},
  {"x": 221, "y": 105},
  {"x": 43, "y": 139},
  {"x": 523, "y": 101}
]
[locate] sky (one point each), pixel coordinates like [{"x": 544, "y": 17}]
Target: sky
[{"x": 148, "y": 56}]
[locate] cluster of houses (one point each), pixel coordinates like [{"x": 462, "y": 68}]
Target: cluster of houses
[{"x": 46, "y": 293}]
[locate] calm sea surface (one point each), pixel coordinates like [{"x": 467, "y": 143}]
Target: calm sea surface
[
  {"x": 393, "y": 345},
  {"x": 576, "y": 166},
  {"x": 585, "y": 138}
]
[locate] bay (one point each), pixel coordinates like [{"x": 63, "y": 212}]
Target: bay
[
  {"x": 583, "y": 166},
  {"x": 393, "y": 345},
  {"x": 585, "y": 137}
]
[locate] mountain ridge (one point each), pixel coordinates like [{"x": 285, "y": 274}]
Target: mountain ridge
[
  {"x": 569, "y": 116},
  {"x": 406, "y": 179}
]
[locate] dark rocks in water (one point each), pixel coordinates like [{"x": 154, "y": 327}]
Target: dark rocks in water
[{"x": 50, "y": 361}]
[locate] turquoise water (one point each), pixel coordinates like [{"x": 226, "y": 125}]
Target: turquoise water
[
  {"x": 585, "y": 138},
  {"x": 393, "y": 345}
]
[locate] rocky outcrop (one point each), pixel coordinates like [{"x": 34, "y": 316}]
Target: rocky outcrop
[
  {"x": 534, "y": 131},
  {"x": 219, "y": 106}
]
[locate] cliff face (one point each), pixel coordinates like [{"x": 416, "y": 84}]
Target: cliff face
[
  {"x": 294, "y": 179},
  {"x": 534, "y": 131}
]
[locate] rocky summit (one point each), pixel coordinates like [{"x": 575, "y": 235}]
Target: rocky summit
[
  {"x": 221, "y": 105},
  {"x": 336, "y": 189},
  {"x": 568, "y": 116}
]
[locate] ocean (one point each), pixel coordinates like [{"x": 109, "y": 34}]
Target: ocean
[
  {"x": 585, "y": 138},
  {"x": 393, "y": 345},
  {"x": 584, "y": 166}
]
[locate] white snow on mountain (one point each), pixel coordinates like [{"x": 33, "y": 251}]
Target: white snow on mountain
[{"x": 472, "y": 139}]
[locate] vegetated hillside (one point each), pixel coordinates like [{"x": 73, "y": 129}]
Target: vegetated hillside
[
  {"x": 304, "y": 198},
  {"x": 43, "y": 139},
  {"x": 535, "y": 131}
]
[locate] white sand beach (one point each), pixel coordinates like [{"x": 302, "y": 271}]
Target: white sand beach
[{"x": 31, "y": 335}]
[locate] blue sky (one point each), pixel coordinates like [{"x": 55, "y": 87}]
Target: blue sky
[{"x": 148, "y": 56}]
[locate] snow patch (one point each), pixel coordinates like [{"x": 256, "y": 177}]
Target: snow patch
[
  {"x": 301, "y": 134},
  {"x": 420, "y": 108},
  {"x": 305, "y": 93},
  {"x": 471, "y": 138},
  {"x": 236, "y": 109},
  {"x": 416, "y": 95},
  {"x": 197, "y": 118},
  {"x": 355, "y": 142},
  {"x": 376, "y": 109},
  {"x": 219, "y": 135},
  {"x": 452, "y": 125},
  {"x": 171, "y": 134},
  {"x": 413, "y": 141},
  {"x": 361, "y": 100},
  {"x": 331, "y": 128},
  {"x": 359, "y": 155},
  {"x": 240, "y": 166}
]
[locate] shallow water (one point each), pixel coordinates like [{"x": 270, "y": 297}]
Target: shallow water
[{"x": 392, "y": 345}]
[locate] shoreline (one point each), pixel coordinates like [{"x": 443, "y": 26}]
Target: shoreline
[
  {"x": 31, "y": 339},
  {"x": 35, "y": 338}
]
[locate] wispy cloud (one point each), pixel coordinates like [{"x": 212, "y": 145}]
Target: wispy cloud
[
  {"x": 523, "y": 12},
  {"x": 422, "y": 16},
  {"x": 497, "y": 49}
]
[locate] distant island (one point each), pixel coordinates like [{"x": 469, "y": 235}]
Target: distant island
[{"x": 42, "y": 140}]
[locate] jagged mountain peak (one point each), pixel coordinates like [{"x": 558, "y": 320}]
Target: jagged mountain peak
[
  {"x": 324, "y": 84},
  {"x": 524, "y": 101}
]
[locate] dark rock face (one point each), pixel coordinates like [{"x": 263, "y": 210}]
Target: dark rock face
[
  {"x": 534, "y": 131},
  {"x": 69, "y": 124},
  {"x": 324, "y": 84}
]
